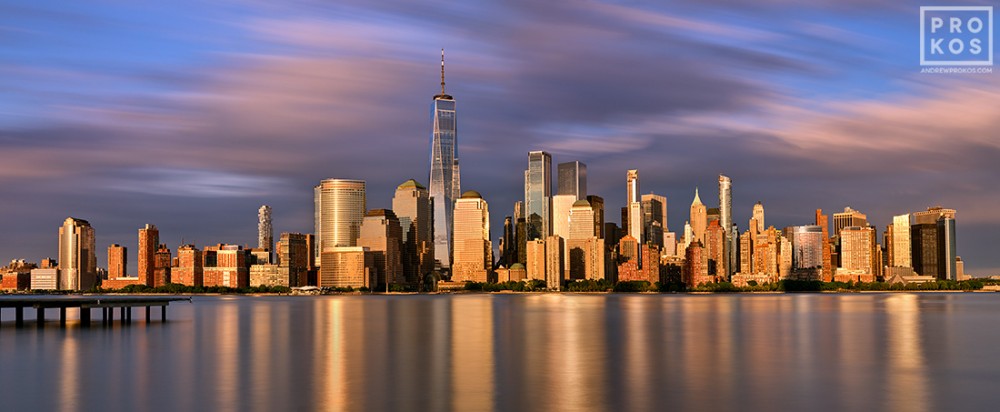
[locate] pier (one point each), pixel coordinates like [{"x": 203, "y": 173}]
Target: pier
[{"x": 86, "y": 306}]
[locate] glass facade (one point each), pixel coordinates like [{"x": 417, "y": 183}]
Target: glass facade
[
  {"x": 444, "y": 183},
  {"x": 572, "y": 178},
  {"x": 538, "y": 194}
]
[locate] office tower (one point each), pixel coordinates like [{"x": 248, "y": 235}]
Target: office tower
[
  {"x": 572, "y": 179},
  {"x": 633, "y": 205},
  {"x": 521, "y": 229},
  {"x": 293, "y": 259},
  {"x": 856, "y": 262},
  {"x": 346, "y": 267},
  {"x": 149, "y": 240},
  {"x": 849, "y": 217},
  {"x": 757, "y": 222},
  {"x": 77, "y": 256},
  {"x": 413, "y": 207},
  {"x": 225, "y": 265},
  {"x": 444, "y": 184},
  {"x": 629, "y": 260},
  {"x": 654, "y": 217},
  {"x": 726, "y": 221},
  {"x": 382, "y": 235},
  {"x": 117, "y": 261},
  {"x": 535, "y": 256},
  {"x": 807, "y": 246},
  {"x": 538, "y": 195},
  {"x": 508, "y": 245},
  {"x": 555, "y": 261},
  {"x": 585, "y": 251},
  {"x": 340, "y": 209},
  {"x": 561, "y": 204},
  {"x": 899, "y": 248},
  {"x": 597, "y": 204},
  {"x": 161, "y": 266},
  {"x": 715, "y": 248},
  {"x": 933, "y": 243},
  {"x": 473, "y": 249},
  {"x": 766, "y": 248},
  {"x": 824, "y": 224},
  {"x": 699, "y": 218},
  {"x": 190, "y": 266},
  {"x": 265, "y": 239}
]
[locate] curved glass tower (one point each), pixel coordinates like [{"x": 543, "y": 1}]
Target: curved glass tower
[{"x": 444, "y": 176}]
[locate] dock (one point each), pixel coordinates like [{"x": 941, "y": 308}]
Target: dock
[{"x": 86, "y": 306}]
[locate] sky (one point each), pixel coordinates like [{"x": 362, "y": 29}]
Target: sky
[{"x": 191, "y": 114}]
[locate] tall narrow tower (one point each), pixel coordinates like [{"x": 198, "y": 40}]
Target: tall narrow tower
[
  {"x": 265, "y": 238},
  {"x": 726, "y": 221},
  {"x": 444, "y": 181}
]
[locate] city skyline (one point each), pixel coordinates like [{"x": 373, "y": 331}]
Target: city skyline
[{"x": 200, "y": 175}]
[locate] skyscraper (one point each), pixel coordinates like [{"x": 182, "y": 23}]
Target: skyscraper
[
  {"x": 900, "y": 247},
  {"x": 654, "y": 213},
  {"x": 412, "y": 205},
  {"x": 597, "y": 204},
  {"x": 699, "y": 218},
  {"x": 77, "y": 257},
  {"x": 444, "y": 180},
  {"x": 340, "y": 210},
  {"x": 473, "y": 250},
  {"x": 726, "y": 221},
  {"x": 382, "y": 235},
  {"x": 572, "y": 177},
  {"x": 117, "y": 261},
  {"x": 538, "y": 195},
  {"x": 265, "y": 239},
  {"x": 149, "y": 240},
  {"x": 633, "y": 205},
  {"x": 757, "y": 224},
  {"x": 933, "y": 243}
]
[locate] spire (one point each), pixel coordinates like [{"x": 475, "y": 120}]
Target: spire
[
  {"x": 442, "y": 72},
  {"x": 697, "y": 199}
]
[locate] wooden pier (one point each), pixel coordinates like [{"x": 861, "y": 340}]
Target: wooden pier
[{"x": 86, "y": 305}]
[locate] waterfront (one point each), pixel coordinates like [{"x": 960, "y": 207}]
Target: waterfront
[{"x": 895, "y": 352}]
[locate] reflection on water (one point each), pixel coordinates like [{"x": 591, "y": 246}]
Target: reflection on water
[{"x": 893, "y": 352}]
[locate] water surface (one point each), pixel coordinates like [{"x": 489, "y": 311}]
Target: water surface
[{"x": 534, "y": 352}]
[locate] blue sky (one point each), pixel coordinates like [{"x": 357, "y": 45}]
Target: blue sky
[{"x": 189, "y": 115}]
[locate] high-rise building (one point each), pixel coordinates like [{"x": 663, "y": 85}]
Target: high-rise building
[
  {"x": 535, "y": 256},
  {"x": 561, "y": 204},
  {"x": 633, "y": 206},
  {"x": 161, "y": 267},
  {"x": 746, "y": 252},
  {"x": 824, "y": 223},
  {"x": 382, "y": 235},
  {"x": 695, "y": 271},
  {"x": 293, "y": 259},
  {"x": 654, "y": 218},
  {"x": 346, "y": 266},
  {"x": 726, "y": 221},
  {"x": 597, "y": 204},
  {"x": 190, "y": 266},
  {"x": 807, "y": 243},
  {"x": 508, "y": 243},
  {"x": 340, "y": 210},
  {"x": 715, "y": 249},
  {"x": 412, "y": 205},
  {"x": 699, "y": 218},
  {"x": 584, "y": 250},
  {"x": 849, "y": 217},
  {"x": 900, "y": 248},
  {"x": 757, "y": 223},
  {"x": 933, "y": 243},
  {"x": 117, "y": 261},
  {"x": 572, "y": 177},
  {"x": 581, "y": 221},
  {"x": 473, "y": 249},
  {"x": 444, "y": 182},
  {"x": 77, "y": 256},
  {"x": 538, "y": 195},
  {"x": 149, "y": 240},
  {"x": 856, "y": 262},
  {"x": 555, "y": 262},
  {"x": 265, "y": 238}
]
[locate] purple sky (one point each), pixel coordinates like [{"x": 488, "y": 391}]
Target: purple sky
[{"x": 190, "y": 115}]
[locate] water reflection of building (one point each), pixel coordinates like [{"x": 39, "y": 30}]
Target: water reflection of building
[
  {"x": 906, "y": 379},
  {"x": 472, "y": 354}
]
